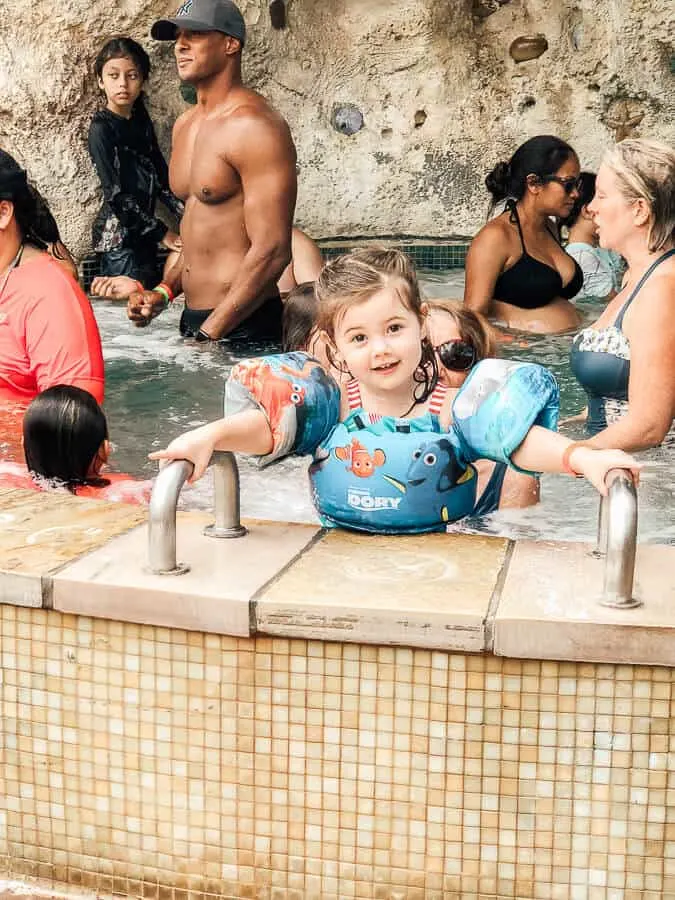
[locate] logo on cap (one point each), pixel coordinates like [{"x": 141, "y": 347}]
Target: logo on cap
[{"x": 184, "y": 9}]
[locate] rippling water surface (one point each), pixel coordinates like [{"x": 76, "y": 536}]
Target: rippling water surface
[{"x": 159, "y": 385}]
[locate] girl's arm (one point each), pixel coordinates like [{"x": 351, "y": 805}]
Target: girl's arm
[
  {"x": 125, "y": 206},
  {"x": 543, "y": 451},
  {"x": 484, "y": 261},
  {"x": 651, "y": 386},
  {"x": 579, "y": 417},
  {"x": 244, "y": 432},
  {"x": 175, "y": 206}
]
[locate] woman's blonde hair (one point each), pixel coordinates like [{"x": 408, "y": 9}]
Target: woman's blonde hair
[
  {"x": 472, "y": 327},
  {"x": 355, "y": 277},
  {"x": 645, "y": 170}
]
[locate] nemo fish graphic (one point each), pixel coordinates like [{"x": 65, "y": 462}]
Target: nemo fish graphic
[
  {"x": 274, "y": 392},
  {"x": 362, "y": 463}
]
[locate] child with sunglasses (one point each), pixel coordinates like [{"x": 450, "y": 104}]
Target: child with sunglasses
[
  {"x": 461, "y": 339},
  {"x": 393, "y": 448}
]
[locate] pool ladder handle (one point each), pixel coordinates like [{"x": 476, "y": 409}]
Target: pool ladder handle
[
  {"x": 164, "y": 500},
  {"x": 617, "y": 540}
]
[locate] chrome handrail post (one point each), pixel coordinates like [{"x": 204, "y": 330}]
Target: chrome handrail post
[
  {"x": 162, "y": 518},
  {"x": 164, "y": 501},
  {"x": 618, "y": 537},
  {"x": 226, "y": 494}
]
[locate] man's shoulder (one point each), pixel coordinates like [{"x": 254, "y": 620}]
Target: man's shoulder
[
  {"x": 248, "y": 108},
  {"x": 184, "y": 119}
]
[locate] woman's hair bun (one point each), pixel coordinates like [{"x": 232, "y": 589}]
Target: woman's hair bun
[{"x": 498, "y": 180}]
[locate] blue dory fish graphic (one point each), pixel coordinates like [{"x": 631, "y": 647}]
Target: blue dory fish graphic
[{"x": 433, "y": 472}]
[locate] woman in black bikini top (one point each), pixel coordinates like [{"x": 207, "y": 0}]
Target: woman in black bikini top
[{"x": 516, "y": 269}]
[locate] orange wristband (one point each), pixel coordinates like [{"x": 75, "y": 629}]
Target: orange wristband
[
  {"x": 566, "y": 457},
  {"x": 140, "y": 287}
]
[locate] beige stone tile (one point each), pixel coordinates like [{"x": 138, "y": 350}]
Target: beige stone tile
[
  {"x": 422, "y": 590},
  {"x": 549, "y": 607},
  {"x": 40, "y": 532},
  {"x": 214, "y": 595}
]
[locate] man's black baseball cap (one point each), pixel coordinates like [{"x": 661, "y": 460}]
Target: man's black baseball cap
[{"x": 202, "y": 15}]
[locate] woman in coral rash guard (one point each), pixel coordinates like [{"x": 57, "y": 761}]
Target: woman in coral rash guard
[{"x": 48, "y": 333}]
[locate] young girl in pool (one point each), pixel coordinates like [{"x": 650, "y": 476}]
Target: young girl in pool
[
  {"x": 461, "y": 339},
  {"x": 393, "y": 447},
  {"x": 65, "y": 444},
  {"x": 603, "y": 269},
  {"x": 131, "y": 168}
]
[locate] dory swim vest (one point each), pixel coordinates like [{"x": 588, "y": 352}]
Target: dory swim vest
[{"x": 390, "y": 475}]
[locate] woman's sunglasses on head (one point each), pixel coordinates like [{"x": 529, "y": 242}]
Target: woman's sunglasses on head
[{"x": 457, "y": 355}]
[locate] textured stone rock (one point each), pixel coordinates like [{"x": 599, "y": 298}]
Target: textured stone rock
[
  {"x": 484, "y": 8},
  {"x": 624, "y": 116},
  {"x": 528, "y": 46},
  {"x": 347, "y": 119},
  {"x": 388, "y": 59}
]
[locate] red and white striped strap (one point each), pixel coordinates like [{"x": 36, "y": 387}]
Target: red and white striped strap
[
  {"x": 353, "y": 394},
  {"x": 437, "y": 399}
]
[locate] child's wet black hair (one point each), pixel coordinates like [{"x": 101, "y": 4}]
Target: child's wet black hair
[
  {"x": 586, "y": 194},
  {"x": 299, "y": 318},
  {"x": 63, "y": 430}
]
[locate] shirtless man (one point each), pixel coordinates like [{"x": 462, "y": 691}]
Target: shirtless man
[{"x": 233, "y": 163}]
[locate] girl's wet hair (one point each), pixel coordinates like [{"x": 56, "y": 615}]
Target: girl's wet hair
[
  {"x": 34, "y": 218},
  {"x": 472, "y": 327},
  {"x": 354, "y": 278},
  {"x": 645, "y": 170},
  {"x": 586, "y": 194},
  {"x": 541, "y": 156},
  {"x": 63, "y": 430},
  {"x": 123, "y": 47},
  {"x": 299, "y": 317}
]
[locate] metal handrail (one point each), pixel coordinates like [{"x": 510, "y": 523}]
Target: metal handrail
[
  {"x": 164, "y": 500},
  {"x": 617, "y": 539}
]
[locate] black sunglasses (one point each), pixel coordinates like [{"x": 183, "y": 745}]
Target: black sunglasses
[
  {"x": 457, "y": 355},
  {"x": 568, "y": 185}
]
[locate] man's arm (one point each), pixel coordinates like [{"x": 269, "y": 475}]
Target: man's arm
[{"x": 261, "y": 150}]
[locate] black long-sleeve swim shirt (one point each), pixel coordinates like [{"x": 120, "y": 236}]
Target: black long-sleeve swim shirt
[{"x": 134, "y": 176}]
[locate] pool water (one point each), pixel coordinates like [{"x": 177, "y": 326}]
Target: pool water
[{"x": 159, "y": 386}]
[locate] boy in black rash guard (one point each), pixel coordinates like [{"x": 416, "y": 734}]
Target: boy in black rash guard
[{"x": 132, "y": 170}]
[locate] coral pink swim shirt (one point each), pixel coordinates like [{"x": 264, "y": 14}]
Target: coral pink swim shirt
[{"x": 48, "y": 333}]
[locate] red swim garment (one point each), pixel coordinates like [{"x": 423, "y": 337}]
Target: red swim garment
[{"x": 48, "y": 333}]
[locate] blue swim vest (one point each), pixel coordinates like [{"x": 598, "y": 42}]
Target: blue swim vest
[{"x": 389, "y": 475}]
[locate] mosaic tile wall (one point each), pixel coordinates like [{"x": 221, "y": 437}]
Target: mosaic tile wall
[
  {"x": 426, "y": 256},
  {"x": 177, "y": 766}
]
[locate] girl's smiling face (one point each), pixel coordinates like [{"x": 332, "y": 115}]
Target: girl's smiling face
[{"x": 379, "y": 341}]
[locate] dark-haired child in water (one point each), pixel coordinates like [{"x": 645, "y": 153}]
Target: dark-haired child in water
[
  {"x": 603, "y": 269},
  {"x": 132, "y": 170},
  {"x": 65, "y": 444}
]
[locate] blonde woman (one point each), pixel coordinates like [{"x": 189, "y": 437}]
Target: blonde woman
[{"x": 626, "y": 360}]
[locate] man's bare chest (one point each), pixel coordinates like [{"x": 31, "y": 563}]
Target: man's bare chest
[{"x": 200, "y": 167}]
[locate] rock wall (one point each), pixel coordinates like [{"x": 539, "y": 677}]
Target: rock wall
[{"x": 398, "y": 108}]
